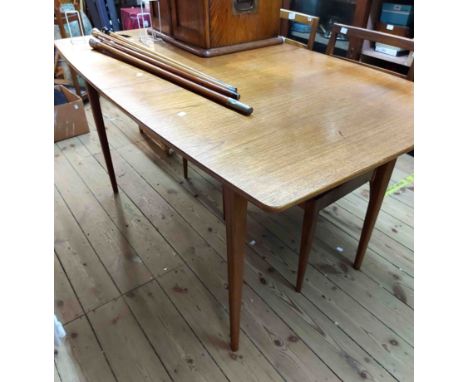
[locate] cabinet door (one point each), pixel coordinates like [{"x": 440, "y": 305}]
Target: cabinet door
[
  {"x": 166, "y": 18},
  {"x": 190, "y": 22},
  {"x": 239, "y": 21}
]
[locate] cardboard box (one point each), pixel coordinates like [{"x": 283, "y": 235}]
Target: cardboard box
[{"x": 69, "y": 118}]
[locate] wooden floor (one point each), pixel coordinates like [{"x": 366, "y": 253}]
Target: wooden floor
[{"x": 140, "y": 279}]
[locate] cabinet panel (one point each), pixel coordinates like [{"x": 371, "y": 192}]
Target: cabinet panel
[
  {"x": 202, "y": 26},
  {"x": 166, "y": 20},
  {"x": 231, "y": 25},
  {"x": 189, "y": 21}
]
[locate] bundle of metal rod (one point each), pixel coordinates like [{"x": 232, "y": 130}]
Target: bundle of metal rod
[
  {"x": 177, "y": 74},
  {"x": 166, "y": 58},
  {"x": 151, "y": 58}
]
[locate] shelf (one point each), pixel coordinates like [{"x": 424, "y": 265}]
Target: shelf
[{"x": 401, "y": 60}]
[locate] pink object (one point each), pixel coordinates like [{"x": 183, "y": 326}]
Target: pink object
[{"x": 130, "y": 18}]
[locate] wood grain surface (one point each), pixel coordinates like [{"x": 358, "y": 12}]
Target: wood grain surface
[{"x": 318, "y": 120}]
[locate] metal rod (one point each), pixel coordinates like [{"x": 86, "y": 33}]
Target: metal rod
[
  {"x": 162, "y": 56},
  {"x": 181, "y": 81},
  {"x": 166, "y": 66}
]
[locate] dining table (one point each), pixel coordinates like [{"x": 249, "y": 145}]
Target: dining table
[{"x": 318, "y": 122}]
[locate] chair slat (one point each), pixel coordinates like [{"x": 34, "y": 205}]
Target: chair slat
[
  {"x": 374, "y": 36},
  {"x": 302, "y": 18}
]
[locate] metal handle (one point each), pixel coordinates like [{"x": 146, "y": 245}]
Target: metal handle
[{"x": 244, "y": 6}]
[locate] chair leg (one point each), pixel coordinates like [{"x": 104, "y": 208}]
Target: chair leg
[
  {"x": 185, "y": 164},
  {"x": 309, "y": 224},
  {"x": 56, "y": 60},
  {"x": 75, "y": 81},
  {"x": 378, "y": 186}
]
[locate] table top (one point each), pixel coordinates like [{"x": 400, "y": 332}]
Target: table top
[{"x": 318, "y": 121}]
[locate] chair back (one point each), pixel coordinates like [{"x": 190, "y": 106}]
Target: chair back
[
  {"x": 313, "y": 21},
  {"x": 60, "y": 18},
  {"x": 361, "y": 34}
]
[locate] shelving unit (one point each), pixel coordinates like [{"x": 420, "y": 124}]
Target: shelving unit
[
  {"x": 404, "y": 60},
  {"x": 370, "y": 55}
]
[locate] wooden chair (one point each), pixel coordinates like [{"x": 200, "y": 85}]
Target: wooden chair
[
  {"x": 302, "y": 18},
  {"x": 376, "y": 178},
  {"x": 360, "y": 34},
  {"x": 59, "y": 19}
]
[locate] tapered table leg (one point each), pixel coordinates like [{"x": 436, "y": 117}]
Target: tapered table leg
[
  {"x": 311, "y": 212},
  {"x": 224, "y": 204},
  {"x": 185, "y": 164},
  {"x": 378, "y": 186},
  {"x": 93, "y": 96},
  {"x": 236, "y": 215}
]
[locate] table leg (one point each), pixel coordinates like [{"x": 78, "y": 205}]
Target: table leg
[
  {"x": 311, "y": 212},
  {"x": 93, "y": 96},
  {"x": 236, "y": 219},
  {"x": 224, "y": 204},
  {"x": 378, "y": 186},
  {"x": 185, "y": 165}
]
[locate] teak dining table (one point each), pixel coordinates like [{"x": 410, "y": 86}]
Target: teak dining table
[{"x": 318, "y": 122}]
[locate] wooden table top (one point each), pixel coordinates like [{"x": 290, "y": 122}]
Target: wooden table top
[{"x": 317, "y": 122}]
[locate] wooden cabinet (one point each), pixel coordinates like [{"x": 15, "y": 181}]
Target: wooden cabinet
[
  {"x": 231, "y": 25},
  {"x": 206, "y": 27}
]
